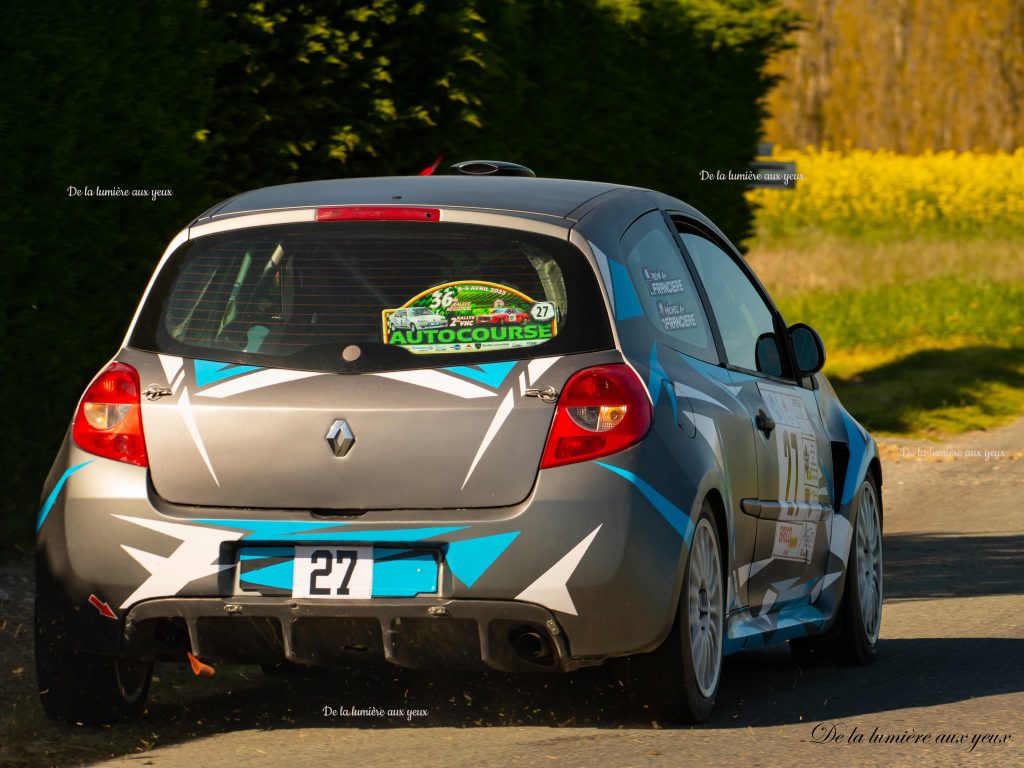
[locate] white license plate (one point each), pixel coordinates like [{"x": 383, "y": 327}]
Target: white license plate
[{"x": 333, "y": 572}]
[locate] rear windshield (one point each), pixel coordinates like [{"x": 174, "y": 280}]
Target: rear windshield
[{"x": 355, "y": 297}]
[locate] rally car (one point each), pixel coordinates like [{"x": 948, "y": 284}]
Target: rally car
[
  {"x": 260, "y": 474},
  {"x": 503, "y": 315},
  {"x": 415, "y": 319}
]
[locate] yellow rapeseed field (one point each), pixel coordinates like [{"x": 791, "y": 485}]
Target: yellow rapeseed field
[
  {"x": 863, "y": 193},
  {"x": 912, "y": 270}
]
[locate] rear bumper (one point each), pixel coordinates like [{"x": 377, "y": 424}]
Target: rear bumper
[
  {"x": 424, "y": 633},
  {"x": 595, "y": 550}
]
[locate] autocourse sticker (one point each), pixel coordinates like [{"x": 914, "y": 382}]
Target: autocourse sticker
[{"x": 469, "y": 316}]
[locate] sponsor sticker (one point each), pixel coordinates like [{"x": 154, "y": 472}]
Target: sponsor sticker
[
  {"x": 794, "y": 540},
  {"x": 810, "y": 470},
  {"x": 801, "y": 482},
  {"x": 469, "y": 316},
  {"x": 786, "y": 409}
]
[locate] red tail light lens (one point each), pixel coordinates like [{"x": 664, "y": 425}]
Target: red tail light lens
[
  {"x": 377, "y": 213},
  {"x": 109, "y": 419},
  {"x": 602, "y": 410}
]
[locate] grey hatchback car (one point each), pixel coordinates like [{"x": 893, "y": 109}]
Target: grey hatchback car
[{"x": 639, "y": 462}]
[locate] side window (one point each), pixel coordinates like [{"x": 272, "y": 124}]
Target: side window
[
  {"x": 663, "y": 283},
  {"x": 744, "y": 320}
]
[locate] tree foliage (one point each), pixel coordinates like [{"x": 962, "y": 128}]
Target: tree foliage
[
  {"x": 643, "y": 92},
  {"x": 209, "y": 98},
  {"x": 95, "y": 95},
  {"x": 332, "y": 88},
  {"x": 905, "y": 75}
]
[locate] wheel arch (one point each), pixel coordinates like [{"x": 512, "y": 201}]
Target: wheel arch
[
  {"x": 875, "y": 468},
  {"x": 714, "y": 497}
]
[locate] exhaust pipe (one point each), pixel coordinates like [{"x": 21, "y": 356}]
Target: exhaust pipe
[{"x": 530, "y": 644}]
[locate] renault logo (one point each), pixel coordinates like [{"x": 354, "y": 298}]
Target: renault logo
[{"x": 340, "y": 437}]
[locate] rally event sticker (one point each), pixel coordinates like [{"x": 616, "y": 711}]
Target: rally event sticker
[{"x": 469, "y": 316}]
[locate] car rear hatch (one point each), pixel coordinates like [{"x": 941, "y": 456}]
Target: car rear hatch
[{"x": 279, "y": 381}]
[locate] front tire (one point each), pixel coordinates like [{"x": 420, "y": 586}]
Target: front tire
[
  {"x": 861, "y": 610},
  {"x": 680, "y": 680}
]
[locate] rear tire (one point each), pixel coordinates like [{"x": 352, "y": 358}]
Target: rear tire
[
  {"x": 679, "y": 681},
  {"x": 861, "y": 610},
  {"x": 87, "y": 688}
]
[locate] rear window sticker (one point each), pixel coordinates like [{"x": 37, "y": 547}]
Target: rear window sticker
[
  {"x": 469, "y": 316},
  {"x": 660, "y": 284},
  {"x": 542, "y": 311},
  {"x": 674, "y": 317}
]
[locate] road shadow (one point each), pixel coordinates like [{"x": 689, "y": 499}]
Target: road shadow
[
  {"x": 771, "y": 689},
  {"x": 931, "y": 565},
  {"x": 759, "y": 689},
  {"x": 892, "y": 397}
]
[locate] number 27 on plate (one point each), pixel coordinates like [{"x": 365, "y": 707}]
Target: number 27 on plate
[{"x": 333, "y": 572}]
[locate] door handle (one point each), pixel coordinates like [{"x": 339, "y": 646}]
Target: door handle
[{"x": 764, "y": 422}]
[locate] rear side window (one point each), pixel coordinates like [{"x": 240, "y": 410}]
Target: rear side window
[
  {"x": 663, "y": 283},
  {"x": 393, "y": 294}
]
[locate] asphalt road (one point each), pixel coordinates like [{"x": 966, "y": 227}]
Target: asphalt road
[{"x": 950, "y": 668}]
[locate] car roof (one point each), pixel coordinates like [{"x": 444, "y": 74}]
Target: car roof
[
  {"x": 526, "y": 196},
  {"x": 551, "y": 197}
]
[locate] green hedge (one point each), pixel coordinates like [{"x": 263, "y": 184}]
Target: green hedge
[
  {"x": 644, "y": 93},
  {"x": 93, "y": 95},
  {"x": 211, "y": 98}
]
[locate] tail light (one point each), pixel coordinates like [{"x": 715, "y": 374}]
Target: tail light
[
  {"x": 602, "y": 410},
  {"x": 109, "y": 419}
]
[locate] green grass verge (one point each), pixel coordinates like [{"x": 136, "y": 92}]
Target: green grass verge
[
  {"x": 930, "y": 392},
  {"x": 918, "y": 315},
  {"x": 922, "y": 339}
]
